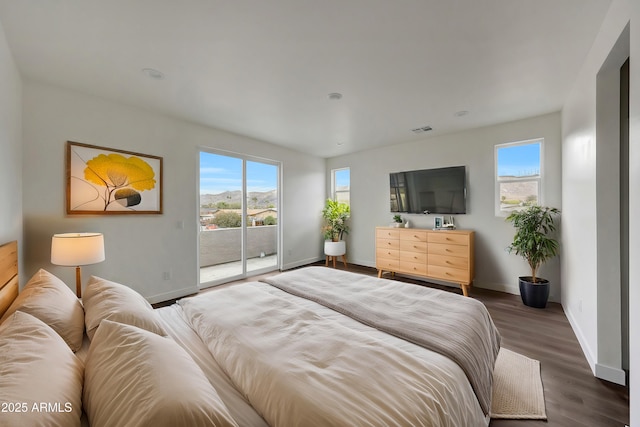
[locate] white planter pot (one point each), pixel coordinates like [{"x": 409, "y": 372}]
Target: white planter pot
[{"x": 335, "y": 248}]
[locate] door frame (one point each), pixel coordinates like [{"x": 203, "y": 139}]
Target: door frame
[{"x": 244, "y": 158}]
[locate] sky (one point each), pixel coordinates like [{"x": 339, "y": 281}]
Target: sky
[
  {"x": 342, "y": 178},
  {"x": 519, "y": 160},
  {"x": 223, "y": 173}
]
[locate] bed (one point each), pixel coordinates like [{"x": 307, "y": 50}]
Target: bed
[{"x": 310, "y": 347}]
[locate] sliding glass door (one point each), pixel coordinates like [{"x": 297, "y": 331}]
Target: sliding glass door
[
  {"x": 239, "y": 227},
  {"x": 262, "y": 216}
]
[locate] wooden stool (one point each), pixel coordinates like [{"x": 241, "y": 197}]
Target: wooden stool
[{"x": 344, "y": 260}]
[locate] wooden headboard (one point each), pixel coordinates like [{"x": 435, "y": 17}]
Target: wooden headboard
[{"x": 8, "y": 275}]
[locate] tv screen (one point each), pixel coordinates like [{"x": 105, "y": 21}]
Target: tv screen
[{"x": 429, "y": 191}]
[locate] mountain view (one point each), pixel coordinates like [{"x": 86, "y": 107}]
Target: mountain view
[{"x": 233, "y": 199}]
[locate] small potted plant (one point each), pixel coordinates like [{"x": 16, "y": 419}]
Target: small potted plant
[
  {"x": 398, "y": 221},
  {"x": 533, "y": 242},
  {"x": 335, "y": 215}
]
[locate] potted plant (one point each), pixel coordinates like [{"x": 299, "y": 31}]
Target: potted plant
[
  {"x": 335, "y": 215},
  {"x": 533, "y": 242},
  {"x": 398, "y": 221}
]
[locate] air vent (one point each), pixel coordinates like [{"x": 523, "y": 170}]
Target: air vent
[{"x": 423, "y": 129}]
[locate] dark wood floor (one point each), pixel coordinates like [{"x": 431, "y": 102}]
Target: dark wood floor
[{"x": 573, "y": 396}]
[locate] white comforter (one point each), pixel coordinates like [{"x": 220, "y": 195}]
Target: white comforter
[{"x": 300, "y": 364}]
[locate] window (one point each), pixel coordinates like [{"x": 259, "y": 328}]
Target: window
[
  {"x": 341, "y": 184},
  {"x": 518, "y": 175}
]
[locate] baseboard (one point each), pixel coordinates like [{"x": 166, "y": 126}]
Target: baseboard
[
  {"x": 499, "y": 287},
  {"x": 301, "y": 263},
  {"x": 591, "y": 360},
  {"x": 361, "y": 262},
  {"x": 172, "y": 295},
  {"x": 512, "y": 289},
  {"x": 614, "y": 375}
]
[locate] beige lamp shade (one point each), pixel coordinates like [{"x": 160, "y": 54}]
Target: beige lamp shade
[{"x": 74, "y": 249}]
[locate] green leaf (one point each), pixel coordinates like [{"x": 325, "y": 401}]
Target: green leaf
[{"x": 533, "y": 240}]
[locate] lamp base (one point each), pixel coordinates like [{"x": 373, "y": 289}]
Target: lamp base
[{"x": 78, "y": 283}]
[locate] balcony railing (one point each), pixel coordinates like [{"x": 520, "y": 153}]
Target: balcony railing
[{"x": 224, "y": 245}]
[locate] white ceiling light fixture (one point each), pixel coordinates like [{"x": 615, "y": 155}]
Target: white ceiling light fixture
[
  {"x": 335, "y": 96},
  {"x": 153, "y": 73}
]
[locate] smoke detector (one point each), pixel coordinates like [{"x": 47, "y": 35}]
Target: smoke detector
[{"x": 152, "y": 73}]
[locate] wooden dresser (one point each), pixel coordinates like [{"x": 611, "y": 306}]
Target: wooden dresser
[{"x": 433, "y": 254}]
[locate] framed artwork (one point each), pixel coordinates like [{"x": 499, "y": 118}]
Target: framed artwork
[
  {"x": 438, "y": 222},
  {"x": 106, "y": 181}
]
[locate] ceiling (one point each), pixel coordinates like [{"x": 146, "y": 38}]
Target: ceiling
[{"x": 265, "y": 69}]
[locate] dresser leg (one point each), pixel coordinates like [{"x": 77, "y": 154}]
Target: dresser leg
[
  {"x": 379, "y": 274},
  {"x": 465, "y": 289}
]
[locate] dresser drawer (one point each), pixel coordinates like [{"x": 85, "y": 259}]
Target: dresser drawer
[
  {"x": 386, "y": 233},
  {"x": 413, "y": 236},
  {"x": 448, "y": 250},
  {"x": 413, "y": 257},
  {"x": 449, "y": 274},
  {"x": 449, "y": 238},
  {"x": 410, "y": 246},
  {"x": 387, "y": 264},
  {"x": 387, "y": 244},
  {"x": 413, "y": 268},
  {"x": 388, "y": 253},
  {"x": 449, "y": 261}
]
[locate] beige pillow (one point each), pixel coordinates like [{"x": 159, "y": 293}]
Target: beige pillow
[
  {"x": 50, "y": 300},
  {"x": 40, "y": 377},
  {"x": 109, "y": 300},
  {"x": 137, "y": 378}
]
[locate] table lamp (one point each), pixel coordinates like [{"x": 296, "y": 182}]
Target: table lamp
[{"x": 76, "y": 249}]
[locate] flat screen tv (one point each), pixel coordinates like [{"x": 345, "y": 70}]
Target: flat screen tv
[{"x": 429, "y": 191}]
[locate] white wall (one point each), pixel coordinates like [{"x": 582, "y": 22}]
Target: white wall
[
  {"x": 585, "y": 176},
  {"x": 634, "y": 207},
  {"x": 495, "y": 268},
  {"x": 608, "y": 220},
  {"x": 139, "y": 248},
  {"x": 10, "y": 149}
]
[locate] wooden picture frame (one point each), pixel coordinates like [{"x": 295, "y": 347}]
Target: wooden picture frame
[{"x": 107, "y": 181}]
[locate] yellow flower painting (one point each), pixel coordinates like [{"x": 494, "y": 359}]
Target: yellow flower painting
[{"x": 103, "y": 180}]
